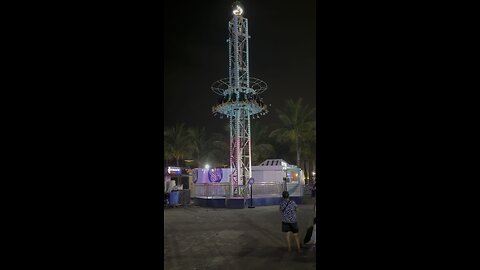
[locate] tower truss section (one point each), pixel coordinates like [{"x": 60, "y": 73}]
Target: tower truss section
[{"x": 239, "y": 100}]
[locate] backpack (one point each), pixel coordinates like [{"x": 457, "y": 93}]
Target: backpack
[
  {"x": 308, "y": 235},
  {"x": 283, "y": 210}
]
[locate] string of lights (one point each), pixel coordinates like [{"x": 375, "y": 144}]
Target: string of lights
[{"x": 240, "y": 99}]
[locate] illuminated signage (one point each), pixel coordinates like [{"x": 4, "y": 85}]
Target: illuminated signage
[{"x": 174, "y": 170}]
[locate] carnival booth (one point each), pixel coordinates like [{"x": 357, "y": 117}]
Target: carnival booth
[
  {"x": 278, "y": 173},
  {"x": 213, "y": 188},
  {"x": 176, "y": 187}
]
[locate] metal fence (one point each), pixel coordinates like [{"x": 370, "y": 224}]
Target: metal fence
[
  {"x": 267, "y": 189},
  {"x": 224, "y": 189},
  {"x": 212, "y": 190}
]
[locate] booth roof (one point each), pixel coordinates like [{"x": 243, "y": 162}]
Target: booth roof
[{"x": 275, "y": 162}]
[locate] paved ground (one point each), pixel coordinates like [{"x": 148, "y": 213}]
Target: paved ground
[{"x": 208, "y": 238}]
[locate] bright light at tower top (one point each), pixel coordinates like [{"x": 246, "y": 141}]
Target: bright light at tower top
[{"x": 238, "y": 10}]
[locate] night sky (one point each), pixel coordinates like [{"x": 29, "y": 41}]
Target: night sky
[{"x": 282, "y": 53}]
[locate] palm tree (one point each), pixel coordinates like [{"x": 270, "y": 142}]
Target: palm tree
[
  {"x": 297, "y": 124},
  {"x": 220, "y": 150},
  {"x": 261, "y": 148},
  {"x": 199, "y": 143},
  {"x": 309, "y": 153},
  {"x": 176, "y": 143}
]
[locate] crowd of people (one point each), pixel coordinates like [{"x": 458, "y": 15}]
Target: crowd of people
[{"x": 242, "y": 97}]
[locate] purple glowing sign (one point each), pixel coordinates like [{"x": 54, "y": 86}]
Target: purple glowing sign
[{"x": 215, "y": 175}]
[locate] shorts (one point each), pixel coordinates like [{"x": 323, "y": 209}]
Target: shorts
[{"x": 287, "y": 227}]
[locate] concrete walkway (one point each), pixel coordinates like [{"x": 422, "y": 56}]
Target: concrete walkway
[{"x": 218, "y": 238}]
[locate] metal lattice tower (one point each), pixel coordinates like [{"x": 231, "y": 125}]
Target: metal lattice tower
[{"x": 240, "y": 100}]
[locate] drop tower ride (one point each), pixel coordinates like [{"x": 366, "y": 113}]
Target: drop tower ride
[{"x": 240, "y": 100}]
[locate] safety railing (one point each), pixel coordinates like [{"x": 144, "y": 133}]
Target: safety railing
[
  {"x": 212, "y": 190},
  {"x": 267, "y": 189},
  {"x": 224, "y": 189}
]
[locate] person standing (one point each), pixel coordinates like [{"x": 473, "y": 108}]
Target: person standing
[
  {"x": 311, "y": 237},
  {"x": 314, "y": 189},
  {"x": 314, "y": 196},
  {"x": 289, "y": 219}
]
